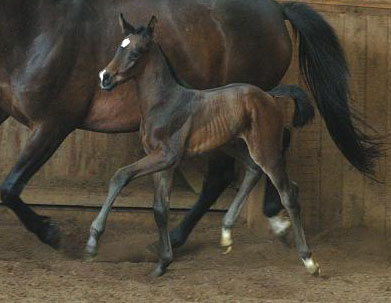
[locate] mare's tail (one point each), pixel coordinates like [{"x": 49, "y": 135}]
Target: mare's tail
[{"x": 325, "y": 71}]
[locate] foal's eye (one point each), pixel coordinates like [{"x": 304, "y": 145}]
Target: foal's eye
[{"x": 133, "y": 56}]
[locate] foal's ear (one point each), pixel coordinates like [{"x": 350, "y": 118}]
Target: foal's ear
[
  {"x": 151, "y": 24},
  {"x": 126, "y": 27}
]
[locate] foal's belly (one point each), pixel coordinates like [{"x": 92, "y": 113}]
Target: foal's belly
[{"x": 218, "y": 121}]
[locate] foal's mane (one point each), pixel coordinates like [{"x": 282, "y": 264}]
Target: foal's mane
[{"x": 173, "y": 72}]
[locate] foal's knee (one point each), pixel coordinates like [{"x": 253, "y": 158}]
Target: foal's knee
[{"x": 120, "y": 178}]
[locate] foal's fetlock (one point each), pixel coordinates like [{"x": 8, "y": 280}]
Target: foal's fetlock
[{"x": 91, "y": 249}]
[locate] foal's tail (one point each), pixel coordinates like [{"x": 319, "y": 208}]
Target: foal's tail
[
  {"x": 324, "y": 67},
  {"x": 304, "y": 111}
]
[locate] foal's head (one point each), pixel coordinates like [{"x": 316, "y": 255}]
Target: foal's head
[{"x": 129, "y": 56}]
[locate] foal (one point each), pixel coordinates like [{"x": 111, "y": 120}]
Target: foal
[{"x": 179, "y": 122}]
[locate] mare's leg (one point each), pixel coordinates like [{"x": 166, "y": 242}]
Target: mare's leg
[
  {"x": 220, "y": 174},
  {"x": 250, "y": 179},
  {"x": 43, "y": 142},
  {"x": 3, "y": 117},
  {"x": 163, "y": 186},
  {"x": 152, "y": 163}
]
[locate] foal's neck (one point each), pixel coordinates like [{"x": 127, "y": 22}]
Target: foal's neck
[{"x": 156, "y": 84}]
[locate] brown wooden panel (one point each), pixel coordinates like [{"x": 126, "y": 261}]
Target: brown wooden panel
[
  {"x": 353, "y": 183},
  {"x": 388, "y": 138},
  {"x": 330, "y": 162},
  {"x": 376, "y": 112}
]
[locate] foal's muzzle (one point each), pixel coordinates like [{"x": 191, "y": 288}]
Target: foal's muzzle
[{"x": 106, "y": 80}]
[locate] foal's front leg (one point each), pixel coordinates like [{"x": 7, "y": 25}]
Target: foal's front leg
[
  {"x": 161, "y": 205},
  {"x": 154, "y": 162}
]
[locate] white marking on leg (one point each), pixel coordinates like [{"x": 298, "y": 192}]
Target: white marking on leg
[
  {"x": 226, "y": 239},
  {"x": 125, "y": 43},
  {"x": 279, "y": 224},
  {"x": 311, "y": 266},
  {"x": 101, "y": 74}
]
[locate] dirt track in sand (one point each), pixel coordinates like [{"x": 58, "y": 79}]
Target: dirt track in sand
[{"x": 356, "y": 265}]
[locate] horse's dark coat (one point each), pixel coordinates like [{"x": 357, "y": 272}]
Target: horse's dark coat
[{"x": 51, "y": 52}]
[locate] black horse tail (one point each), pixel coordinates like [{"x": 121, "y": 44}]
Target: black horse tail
[
  {"x": 325, "y": 71},
  {"x": 304, "y": 111}
]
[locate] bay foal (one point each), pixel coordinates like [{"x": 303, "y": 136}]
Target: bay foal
[{"x": 179, "y": 122}]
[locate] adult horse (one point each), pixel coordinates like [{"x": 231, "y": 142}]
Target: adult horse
[{"x": 51, "y": 51}]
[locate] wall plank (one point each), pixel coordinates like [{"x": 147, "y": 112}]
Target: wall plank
[
  {"x": 376, "y": 112},
  {"x": 353, "y": 183}
]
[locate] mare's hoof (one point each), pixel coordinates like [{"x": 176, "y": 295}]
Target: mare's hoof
[
  {"x": 159, "y": 271},
  {"x": 177, "y": 237},
  {"x": 49, "y": 233}
]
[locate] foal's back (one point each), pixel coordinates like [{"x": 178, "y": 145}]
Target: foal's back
[{"x": 227, "y": 112}]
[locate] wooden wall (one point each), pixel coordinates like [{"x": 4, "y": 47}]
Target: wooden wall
[{"x": 332, "y": 193}]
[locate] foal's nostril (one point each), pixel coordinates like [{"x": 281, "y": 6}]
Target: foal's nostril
[{"x": 105, "y": 78}]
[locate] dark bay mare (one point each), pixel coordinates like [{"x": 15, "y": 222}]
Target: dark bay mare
[
  {"x": 179, "y": 122},
  {"x": 51, "y": 51}
]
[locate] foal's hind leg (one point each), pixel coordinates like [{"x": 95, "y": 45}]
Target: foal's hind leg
[
  {"x": 163, "y": 186},
  {"x": 251, "y": 178},
  {"x": 268, "y": 156},
  {"x": 288, "y": 192},
  {"x": 272, "y": 207}
]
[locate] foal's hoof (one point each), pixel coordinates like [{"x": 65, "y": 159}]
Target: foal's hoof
[
  {"x": 90, "y": 252},
  {"x": 312, "y": 267},
  {"x": 49, "y": 233},
  {"x": 228, "y": 250},
  {"x": 159, "y": 271}
]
